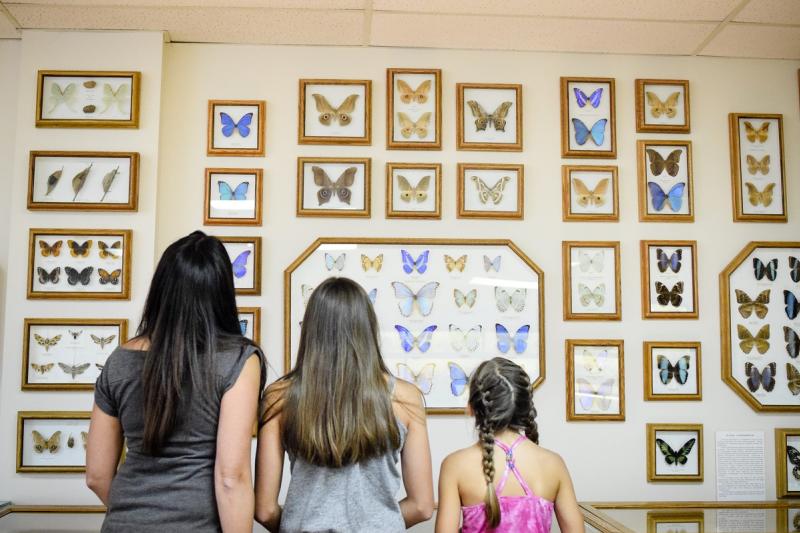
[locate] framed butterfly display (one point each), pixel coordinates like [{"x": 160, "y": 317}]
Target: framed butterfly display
[
  {"x": 334, "y": 187},
  {"x": 787, "y": 462},
  {"x": 337, "y": 112},
  {"x": 490, "y": 190},
  {"x": 236, "y": 128},
  {"x": 666, "y": 191},
  {"x": 662, "y": 106},
  {"x": 233, "y": 197},
  {"x": 595, "y": 380},
  {"x": 245, "y": 256},
  {"x": 76, "y": 264},
  {"x": 675, "y": 521},
  {"x": 52, "y": 441},
  {"x": 674, "y": 452},
  {"x": 489, "y": 116},
  {"x": 669, "y": 279},
  {"x": 591, "y": 280},
  {"x": 68, "y": 353},
  {"x": 414, "y": 190},
  {"x": 588, "y": 119},
  {"x": 413, "y": 109},
  {"x": 758, "y": 173},
  {"x": 589, "y": 193},
  {"x": 83, "y": 181},
  {"x": 250, "y": 322},
  {"x": 87, "y": 99},
  {"x": 788, "y": 519},
  {"x": 443, "y": 306},
  {"x": 760, "y": 316},
  {"x": 672, "y": 371}
]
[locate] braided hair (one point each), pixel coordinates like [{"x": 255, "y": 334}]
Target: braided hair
[{"x": 501, "y": 397}]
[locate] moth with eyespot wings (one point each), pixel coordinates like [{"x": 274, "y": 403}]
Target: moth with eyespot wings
[
  {"x": 329, "y": 114},
  {"x": 493, "y": 193},
  {"x": 409, "y": 127},
  {"x": 761, "y": 134},
  {"x": 329, "y": 188},
  {"x": 418, "y": 95},
  {"x": 48, "y": 250},
  {"x": 419, "y": 192},
  {"x": 755, "y": 165},
  {"x": 586, "y": 196},
  {"x": 756, "y": 197},
  {"x": 668, "y": 107},
  {"x": 40, "y": 444},
  {"x": 483, "y": 119}
]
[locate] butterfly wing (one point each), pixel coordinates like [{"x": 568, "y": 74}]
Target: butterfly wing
[
  {"x": 458, "y": 379},
  {"x": 345, "y": 109},
  {"x": 408, "y": 262},
  {"x": 580, "y": 97},
  {"x": 240, "y": 264},
  {"x": 324, "y": 108},
  {"x": 681, "y": 369},
  {"x": 581, "y": 131},
  {"x": 406, "y": 92},
  {"x": 425, "y": 297},
  {"x": 597, "y": 196},
  {"x": 792, "y": 341},
  {"x": 406, "y": 190},
  {"x": 793, "y": 379},
  {"x": 521, "y": 339},
  {"x": 423, "y": 340},
  {"x": 228, "y": 124},
  {"x": 421, "y": 264},
  {"x": 768, "y": 376},
  {"x": 794, "y": 269},
  {"x": 503, "y": 338},
  {"x": 586, "y": 394},
  {"x": 424, "y": 379},
  {"x": 481, "y": 117},
  {"x": 240, "y": 193},
  {"x": 372, "y": 295},
  {"x": 498, "y": 118},
  {"x": 792, "y": 304},
  {"x": 405, "y": 298},
  {"x": 670, "y": 457},
  {"x": 657, "y": 195},
  {"x": 598, "y": 131},
  {"x": 343, "y": 184},
  {"x": 675, "y": 196},
  {"x": 326, "y": 185},
  {"x": 225, "y": 191},
  {"x": 665, "y": 369},
  {"x": 672, "y": 163},
  {"x": 582, "y": 193},
  {"x": 244, "y": 124},
  {"x": 683, "y": 454},
  {"x": 518, "y": 299},
  {"x": 657, "y": 163},
  {"x": 407, "y": 340}
]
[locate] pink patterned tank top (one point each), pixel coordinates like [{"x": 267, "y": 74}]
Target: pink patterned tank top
[{"x": 528, "y": 513}]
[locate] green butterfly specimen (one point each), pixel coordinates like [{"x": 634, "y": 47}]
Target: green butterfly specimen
[{"x": 671, "y": 457}]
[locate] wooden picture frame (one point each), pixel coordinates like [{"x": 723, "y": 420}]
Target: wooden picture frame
[
  {"x": 238, "y": 142},
  {"x": 70, "y": 340},
  {"x": 74, "y": 105},
  {"x": 585, "y": 398},
  {"x": 661, "y": 192},
  {"x": 412, "y": 86},
  {"x": 334, "y": 169},
  {"x": 655, "y": 363},
  {"x": 404, "y": 199},
  {"x": 594, "y": 109},
  {"x": 213, "y": 214},
  {"x": 585, "y": 193},
  {"x": 591, "y": 266},
  {"x": 671, "y": 285},
  {"x": 787, "y": 517},
  {"x": 42, "y": 182},
  {"x": 756, "y": 160},
  {"x": 24, "y": 419},
  {"x": 249, "y": 282},
  {"x": 504, "y": 200},
  {"x": 325, "y": 127},
  {"x": 487, "y": 136},
  {"x": 787, "y": 485},
  {"x": 655, "y": 457},
  {"x": 679, "y": 518},
  {"x": 252, "y": 330},
  {"x": 113, "y": 260},
  {"x": 656, "y": 100}
]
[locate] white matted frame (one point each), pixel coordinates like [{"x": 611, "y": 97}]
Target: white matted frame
[
  {"x": 662, "y": 106},
  {"x": 414, "y": 190},
  {"x": 413, "y": 109},
  {"x": 236, "y": 128},
  {"x": 673, "y": 371},
  {"x": 589, "y": 193},
  {"x": 595, "y": 379},
  {"x": 490, "y": 190},
  {"x": 43, "y": 441},
  {"x": 489, "y": 117},
  {"x": 591, "y": 280},
  {"x": 674, "y": 452},
  {"x": 335, "y": 112},
  {"x": 666, "y": 189},
  {"x": 787, "y": 462},
  {"x": 245, "y": 256},
  {"x": 233, "y": 197},
  {"x": 588, "y": 118},
  {"x": 334, "y": 187},
  {"x": 669, "y": 279}
]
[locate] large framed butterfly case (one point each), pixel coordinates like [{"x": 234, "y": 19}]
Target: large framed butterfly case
[
  {"x": 443, "y": 306},
  {"x": 760, "y": 325}
]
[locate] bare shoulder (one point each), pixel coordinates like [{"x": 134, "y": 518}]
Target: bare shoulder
[
  {"x": 274, "y": 397},
  {"x": 408, "y": 404},
  {"x": 407, "y": 393},
  {"x": 548, "y": 458},
  {"x": 456, "y": 461}
]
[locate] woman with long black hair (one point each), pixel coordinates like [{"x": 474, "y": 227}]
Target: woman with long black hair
[{"x": 183, "y": 396}]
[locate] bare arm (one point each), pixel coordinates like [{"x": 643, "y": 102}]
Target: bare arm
[
  {"x": 449, "y": 513},
  {"x": 269, "y": 471},
  {"x": 232, "y": 477},
  {"x": 417, "y": 506},
  {"x": 568, "y": 514},
  {"x": 102, "y": 452}
]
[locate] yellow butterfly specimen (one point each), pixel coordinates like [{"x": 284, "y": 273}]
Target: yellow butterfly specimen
[
  {"x": 493, "y": 193},
  {"x": 85, "y": 438},
  {"x": 48, "y": 250},
  {"x": 67, "y": 96},
  {"x": 418, "y": 192},
  {"x": 46, "y": 342},
  {"x": 79, "y": 250},
  {"x": 409, "y": 127},
  {"x": 586, "y": 196},
  {"x": 761, "y": 134},
  {"x": 793, "y": 376},
  {"x": 43, "y": 369},
  {"x": 40, "y": 444},
  {"x": 667, "y": 108},
  {"x": 483, "y": 119},
  {"x": 455, "y": 264},
  {"x": 747, "y": 340},
  {"x": 341, "y": 114},
  {"x": 102, "y": 341},
  {"x": 121, "y": 97},
  {"x": 747, "y": 305},
  {"x": 754, "y": 165},
  {"x": 755, "y": 197},
  {"x": 107, "y": 277},
  {"x": 374, "y": 264},
  {"x": 418, "y": 95},
  {"x": 107, "y": 251}
]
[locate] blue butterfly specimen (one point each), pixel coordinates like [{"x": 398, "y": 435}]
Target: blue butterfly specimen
[
  {"x": 658, "y": 197},
  {"x": 240, "y": 264},
  {"x": 410, "y": 264},
  {"x": 229, "y": 126},
  {"x": 243, "y": 326},
  {"x": 408, "y": 300},
  {"x": 672, "y": 262},
  {"x": 667, "y": 371},
  {"x": 765, "y": 378},
  {"x": 597, "y": 133},
  {"x": 338, "y": 262},
  {"x": 458, "y": 379},
  {"x": 422, "y": 341},
  {"x": 792, "y": 304},
  {"x": 770, "y": 269},
  {"x": 492, "y": 264},
  {"x": 505, "y": 341},
  {"x": 593, "y": 98},
  {"x": 239, "y": 193},
  {"x": 373, "y": 295}
]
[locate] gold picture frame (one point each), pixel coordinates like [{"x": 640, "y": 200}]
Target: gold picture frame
[
  {"x": 594, "y": 365},
  {"x": 366, "y": 174},
  {"x": 242, "y": 245},
  {"x": 571, "y": 109},
  {"x": 572, "y": 210},
  {"x": 89, "y": 87},
  {"x": 764, "y": 146},
  {"x": 125, "y": 237},
  {"x": 646, "y": 176},
  {"x": 678, "y": 516},
  {"x": 305, "y": 135},
  {"x": 122, "y": 336},
  {"x": 589, "y": 268},
  {"x": 696, "y": 369},
  {"x": 671, "y": 277},
  {"x": 782, "y": 489},
  {"x": 394, "y": 200},
  {"x": 24, "y": 416},
  {"x": 493, "y": 142},
  {"x": 258, "y": 181},
  {"x": 216, "y": 147},
  {"x": 256, "y": 324},
  {"x": 786, "y": 517},
  {"x": 430, "y": 105},
  {"x": 653, "y": 453},
  {"x": 662, "y": 106},
  {"x": 482, "y": 195}
]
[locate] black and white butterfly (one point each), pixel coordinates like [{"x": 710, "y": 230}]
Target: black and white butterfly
[
  {"x": 794, "y": 458},
  {"x": 768, "y": 269},
  {"x": 671, "y": 457}
]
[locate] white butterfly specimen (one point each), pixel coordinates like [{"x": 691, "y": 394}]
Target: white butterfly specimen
[
  {"x": 587, "y": 295},
  {"x": 334, "y": 262},
  {"x": 515, "y": 300},
  {"x": 594, "y": 363},
  {"x": 492, "y": 264},
  {"x": 470, "y": 339},
  {"x": 589, "y": 262},
  {"x": 493, "y": 193},
  {"x": 305, "y": 291},
  {"x": 121, "y": 98},
  {"x": 422, "y": 379},
  {"x": 465, "y": 300},
  {"x": 67, "y": 96},
  {"x": 421, "y": 300}
]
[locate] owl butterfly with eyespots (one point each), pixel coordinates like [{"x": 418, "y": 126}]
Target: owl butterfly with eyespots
[
  {"x": 418, "y": 95},
  {"x": 409, "y": 127},
  {"x": 40, "y": 444},
  {"x": 668, "y": 107},
  {"x": 329, "y": 114},
  {"x": 761, "y": 134},
  {"x": 329, "y": 188},
  {"x": 586, "y": 196}
]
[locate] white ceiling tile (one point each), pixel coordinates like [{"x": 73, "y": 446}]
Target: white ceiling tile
[
  {"x": 273, "y": 4},
  {"x": 770, "y": 11},
  {"x": 7, "y": 28},
  {"x": 755, "y": 40}
]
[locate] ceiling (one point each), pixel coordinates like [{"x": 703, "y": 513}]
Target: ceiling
[{"x": 730, "y": 28}]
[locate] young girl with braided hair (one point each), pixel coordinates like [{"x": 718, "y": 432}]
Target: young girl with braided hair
[{"x": 534, "y": 481}]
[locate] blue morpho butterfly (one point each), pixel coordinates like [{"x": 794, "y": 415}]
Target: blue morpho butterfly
[
  {"x": 243, "y": 326},
  {"x": 597, "y": 133},
  {"x": 658, "y": 197},
  {"x": 770, "y": 269},
  {"x": 422, "y": 341},
  {"x": 505, "y": 341},
  {"x": 458, "y": 379},
  {"x": 792, "y": 304},
  {"x": 229, "y": 126},
  {"x": 240, "y": 264},
  {"x": 239, "y": 193},
  {"x": 667, "y": 371},
  {"x": 593, "y": 98},
  {"x": 765, "y": 378},
  {"x": 665, "y": 261},
  {"x": 410, "y": 264},
  {"x": 794, "y": 269},
  {"x": 408, "y": 300}
]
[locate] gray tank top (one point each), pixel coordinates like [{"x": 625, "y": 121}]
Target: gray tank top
[{"x": 357, "y": 498}]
